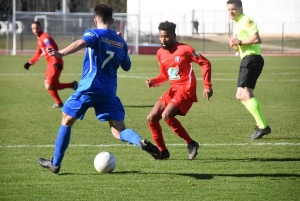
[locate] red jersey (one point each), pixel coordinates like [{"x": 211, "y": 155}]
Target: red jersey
[
  {"x": 176, "y": 66},
  {"x": 45, "y": 41}
]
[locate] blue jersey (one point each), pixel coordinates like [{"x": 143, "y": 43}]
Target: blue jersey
[{"x": 105, "y": 52}]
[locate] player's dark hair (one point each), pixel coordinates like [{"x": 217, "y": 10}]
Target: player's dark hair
[
  {"x": 37, "y": 23},
  {"x": 105, "y": 12},
  {"x": 237, "y": 3},
  {"x": 167, "y": 26}
]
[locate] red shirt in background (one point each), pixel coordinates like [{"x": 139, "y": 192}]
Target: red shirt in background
[
  {"x": 176, "y": 66},
  {"x": 46, "y": 41}
]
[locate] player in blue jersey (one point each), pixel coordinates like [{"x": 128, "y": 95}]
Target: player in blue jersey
[{"x": 105, "y": 52}]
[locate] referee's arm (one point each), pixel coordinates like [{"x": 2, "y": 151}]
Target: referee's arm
[{"x": 254, "y": 39}]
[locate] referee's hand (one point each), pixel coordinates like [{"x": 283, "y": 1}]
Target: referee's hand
[
  {"x": 235, "y": 48},
  {"x": 26, "y": 65}
]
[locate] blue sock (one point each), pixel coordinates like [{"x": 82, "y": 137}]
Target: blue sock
[
  {"x": 130, "y": 136},
  {"x": 61, "y": 144}
]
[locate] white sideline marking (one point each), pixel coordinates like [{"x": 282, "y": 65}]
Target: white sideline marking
[
  {"x": 145, "y": 77},
  {"x": 114, "y": 145}
]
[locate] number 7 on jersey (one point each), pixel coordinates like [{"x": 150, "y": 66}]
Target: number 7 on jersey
[{"x": 111, "y": 55}]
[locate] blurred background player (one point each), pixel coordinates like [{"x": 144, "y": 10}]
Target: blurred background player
[
  {"x": 175, "y": 63},
  {"x": 248, "y": 42},
  {"x": 54, "y": 65},
  {"x": 196, "y": 26},
  {"x": 106, "y": 51}
]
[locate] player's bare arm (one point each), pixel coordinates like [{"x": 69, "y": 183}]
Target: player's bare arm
[
  {"x": 207, "y": 93},
  {"x": 73, "y": 47}
]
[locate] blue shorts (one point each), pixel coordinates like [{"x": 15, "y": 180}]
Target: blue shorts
[{"x": 106, "y": 108}]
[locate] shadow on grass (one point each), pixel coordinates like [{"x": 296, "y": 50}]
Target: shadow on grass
[
  {"x": 235, "y": 159},
  {"x": 211, "y": 176},
  {"x": 112, "y": 173},
  {"x": 256, "y": 159},
  {"x": 196, "y": 176}
]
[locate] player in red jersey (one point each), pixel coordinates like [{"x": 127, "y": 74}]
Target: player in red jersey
[
  {"x": 175, "y": 61},
  {"x": 54, "y": 65}
]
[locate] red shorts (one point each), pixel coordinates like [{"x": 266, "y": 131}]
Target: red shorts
[
  {"x": 178, "y": 98},
  {"x": 53, "y": 73}
]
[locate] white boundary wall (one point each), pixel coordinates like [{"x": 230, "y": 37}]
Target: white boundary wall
[{"x": 268, "y": 14}]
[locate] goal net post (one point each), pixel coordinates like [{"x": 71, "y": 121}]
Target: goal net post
[{"x": 66, "y": 28}]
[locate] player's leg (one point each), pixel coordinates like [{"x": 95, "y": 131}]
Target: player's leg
[
  {"x": 74, "y": 108},
  {"x": 112, "y": 110},
  {"x": 120, "y": 132},
  {"x": 63, "y": 138},
  {"x": 51, "y": 79},
  {"x": 169, "y": 117},
  {"x": 52, "y": 84},
  {"x": 153, "y": 119},
  {"x": 254, "y": 107},
  {"x": 180, "y": 105},
  {"x": 251, "y": 68},
  {"x": 58, "y": 67},
  {"x": 59, "y": 86},
  {"x": 61, "y": 144}
]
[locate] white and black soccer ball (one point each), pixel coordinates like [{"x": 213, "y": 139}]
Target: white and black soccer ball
[{"x": 105, "y": 162}]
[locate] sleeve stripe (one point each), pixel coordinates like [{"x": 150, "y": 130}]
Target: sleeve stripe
[
  {"x": 90, "y": 58},
  {"x": 47, "y": 44}
]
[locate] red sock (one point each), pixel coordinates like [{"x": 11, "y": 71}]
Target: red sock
[
  {"x": 157, "y": 135},
  {"x": 178, "y": 129},
  {"x": 55, "y": 96},
  {"x": 59, "y": 86}
]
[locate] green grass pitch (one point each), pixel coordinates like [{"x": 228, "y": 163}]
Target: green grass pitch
[{"x": 229, "y": 166}]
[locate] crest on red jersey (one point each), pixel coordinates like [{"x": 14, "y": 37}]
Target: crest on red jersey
[
  {"x": 177, "y": 58},
  {"x": 196, "y": 54},
  {"x": 46, "y": 40},
  {"x": 173, "y": 73}
]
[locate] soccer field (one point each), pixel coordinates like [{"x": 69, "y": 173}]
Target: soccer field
[{"x": 229, "y": 166}]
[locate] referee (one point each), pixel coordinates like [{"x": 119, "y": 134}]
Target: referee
[{"x": 247, "y": 42}]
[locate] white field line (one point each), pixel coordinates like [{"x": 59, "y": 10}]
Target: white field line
[
  {"x": 114, "y": 145},
  {"x": 145, "y": 77}
]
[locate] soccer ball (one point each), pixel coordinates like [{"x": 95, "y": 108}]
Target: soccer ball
[{"x": 105, "y": 162}]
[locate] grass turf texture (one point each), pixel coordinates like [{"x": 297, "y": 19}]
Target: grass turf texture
[
  {"x": 229, "y": 165},
  {"x": 219, "y": 45}
]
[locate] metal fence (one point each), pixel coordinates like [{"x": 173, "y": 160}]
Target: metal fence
[
  {"x": 65, "y": 28},
  {"x": 214, "y": 29}
]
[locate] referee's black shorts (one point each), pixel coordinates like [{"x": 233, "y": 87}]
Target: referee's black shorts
[{"x": 250, "y": 69}]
